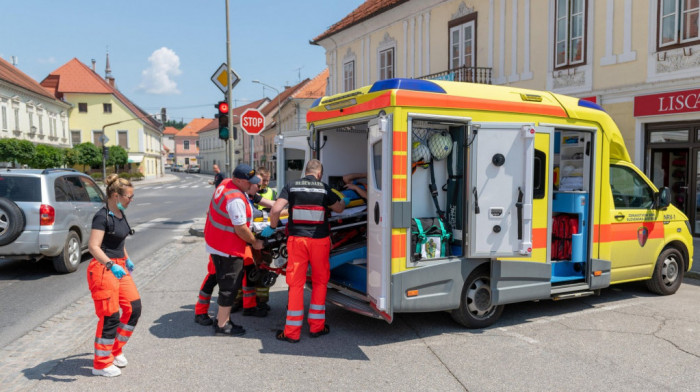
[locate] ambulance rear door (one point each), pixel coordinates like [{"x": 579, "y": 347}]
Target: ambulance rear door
[
  {"x": 379, "y": 155},
  {"x": 296, "y": 153},
  {"x": 500, "y": 188}
]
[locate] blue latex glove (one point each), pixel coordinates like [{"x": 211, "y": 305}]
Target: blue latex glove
[
  {"x": 267, "y": 231},
  {"x": 118, "y": 271},
  {"x": 129, "y": 265}
]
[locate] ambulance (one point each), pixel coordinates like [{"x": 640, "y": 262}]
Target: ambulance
[{"x": 480, "y": 196}]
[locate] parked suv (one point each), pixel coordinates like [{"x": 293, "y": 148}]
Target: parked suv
[{"x": 47, "y": 213}]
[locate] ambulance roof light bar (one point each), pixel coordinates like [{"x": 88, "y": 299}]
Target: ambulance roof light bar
[{"x": 407, "y": 84}]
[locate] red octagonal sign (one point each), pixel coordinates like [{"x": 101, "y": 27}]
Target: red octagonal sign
[{"x": 252, "y": 121}]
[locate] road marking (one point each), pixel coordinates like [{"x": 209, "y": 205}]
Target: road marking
[
  {"x": 143, "y": 204},
  {"x": 172, "y": 186}
]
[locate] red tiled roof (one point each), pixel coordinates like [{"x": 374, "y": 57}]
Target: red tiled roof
[
  {"x": 13, "y": 75},
  {"x": 366, "y": 10},
  {"x": 315, "y": 88},
  {"x": 193, "y": 127},
  {"x": 76, "y": 77},
  {"x": 282, "y": 97},
  {"x": 170, "y": 131}
]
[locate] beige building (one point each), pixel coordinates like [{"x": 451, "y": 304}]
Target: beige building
[{"x": 639, "y": 60}]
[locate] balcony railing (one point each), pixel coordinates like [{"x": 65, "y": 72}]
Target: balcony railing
[{"x": 463, "y": 74}]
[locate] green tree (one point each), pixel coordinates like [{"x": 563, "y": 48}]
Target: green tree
[
  {"x": 87, "y": 154},
  {"x": 175, "y": 124},
  {"x": 12, "y": 150},
  {"x": 117, "y": 157},
  {"x": 71, "y": 156},
  {"x": 47, "y": 156}
]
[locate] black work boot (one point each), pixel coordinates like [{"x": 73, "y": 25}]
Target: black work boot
[
  {"x": 256, "y": 312},
  {"x": 229, "y": 329},
  {"x": 203, "y": 319}
]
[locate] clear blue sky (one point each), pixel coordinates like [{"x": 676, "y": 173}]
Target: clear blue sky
[{"x": 163, "y": 53}]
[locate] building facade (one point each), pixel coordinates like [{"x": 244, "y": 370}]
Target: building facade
[
  {"x": 30, "y": 112},
  {"x": 639, "y": 60},
  {"x": 187, "y": 143},
  {"x": 99, "y": 109}
]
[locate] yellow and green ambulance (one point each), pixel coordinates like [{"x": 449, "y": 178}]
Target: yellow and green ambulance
[{"x": 480, "y": 196}]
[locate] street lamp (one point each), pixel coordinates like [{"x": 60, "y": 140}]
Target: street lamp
[{"x": 280, "y": 154}]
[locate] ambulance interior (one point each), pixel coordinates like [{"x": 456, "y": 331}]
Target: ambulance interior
[{"x": 343, "y": 151}]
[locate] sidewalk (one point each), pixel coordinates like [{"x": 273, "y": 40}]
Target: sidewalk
[{"x": 165, "y": 178}]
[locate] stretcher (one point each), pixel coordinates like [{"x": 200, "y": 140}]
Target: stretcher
[{"x": 348, "y": 244}]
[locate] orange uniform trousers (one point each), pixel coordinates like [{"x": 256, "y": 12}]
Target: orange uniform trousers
[
  {"x": 303, "y": 251},
  {"x": 110, "y": 294},
  {"x": 207, "y": 287}
]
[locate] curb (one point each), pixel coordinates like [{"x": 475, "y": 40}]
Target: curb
[
  {"x": 197, "y": 230},
  {"x": 692, "y": 275}
]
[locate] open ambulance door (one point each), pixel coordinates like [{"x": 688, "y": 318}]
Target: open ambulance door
[
  {"x": 379, "y": 155},
  {"x": 295, "y": 154},
  {"x": 500, "y": 190}
]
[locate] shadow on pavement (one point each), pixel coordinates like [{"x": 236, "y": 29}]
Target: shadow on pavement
[
  {"x": 178, "y": 325},
  {"x": 71, "y": 367}
]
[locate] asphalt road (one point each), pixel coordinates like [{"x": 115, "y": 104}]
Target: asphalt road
[{"x": 160, "y": 213}]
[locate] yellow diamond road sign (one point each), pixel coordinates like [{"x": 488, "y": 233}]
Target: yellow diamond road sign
[{"x": 220, "y": 78}]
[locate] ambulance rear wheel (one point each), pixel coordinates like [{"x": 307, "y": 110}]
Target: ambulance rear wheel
[
  {"x": 668, "y": 272},
  {"x": 475, "y": 308}
]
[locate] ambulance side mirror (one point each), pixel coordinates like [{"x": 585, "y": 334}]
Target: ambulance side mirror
[{"x": 663, "y": 198}]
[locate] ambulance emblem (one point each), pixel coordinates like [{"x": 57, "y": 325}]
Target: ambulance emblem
[{"x": 642, "y": 235}]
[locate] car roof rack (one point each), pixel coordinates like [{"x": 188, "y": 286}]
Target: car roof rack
[{"x": 57, "y": 169}]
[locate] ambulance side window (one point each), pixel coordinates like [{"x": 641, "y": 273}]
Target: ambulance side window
[
  {"x": 377, "y": 162},
  {"x": 629, "y": 190},
  {"x": 539, "y": 174}
]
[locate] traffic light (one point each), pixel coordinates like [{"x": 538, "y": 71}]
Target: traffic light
[{"x": 222, "y": 106}]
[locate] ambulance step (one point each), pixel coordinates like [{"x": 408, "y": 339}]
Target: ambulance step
[
  {"x": 577, "y": 294},
  {"x": 352, "y": 304}
]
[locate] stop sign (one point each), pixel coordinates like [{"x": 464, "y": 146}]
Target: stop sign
[{"x": 252, "y": 121}]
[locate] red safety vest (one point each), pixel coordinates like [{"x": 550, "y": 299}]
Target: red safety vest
[{"x": 218, "y": 231}]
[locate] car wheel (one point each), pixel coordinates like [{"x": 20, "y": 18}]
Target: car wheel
[
  {"x": 668, "y": 272},
  {"x": 475, "y": 307},
  {"x": 11, "y": 221},
  {"x": 70, "y": 256}
]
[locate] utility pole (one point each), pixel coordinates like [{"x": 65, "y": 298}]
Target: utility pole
[{"x": 229, "y": 98}]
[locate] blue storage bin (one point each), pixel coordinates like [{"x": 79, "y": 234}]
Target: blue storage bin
[{"x": 572, "y": 203}]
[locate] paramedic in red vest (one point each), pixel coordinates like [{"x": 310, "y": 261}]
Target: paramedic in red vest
[
  {"x": 308, "y": 243},
  {"x": 227, "y": 234}
]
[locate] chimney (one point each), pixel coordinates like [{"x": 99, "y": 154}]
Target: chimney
[{"x": 93, "y": 65}]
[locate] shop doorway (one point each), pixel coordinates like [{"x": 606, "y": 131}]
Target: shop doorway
[
  {"x": 669, "y": 167},
  {"x": 673, "y": 160}
]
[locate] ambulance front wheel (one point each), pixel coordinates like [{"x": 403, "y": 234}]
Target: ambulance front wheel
[
  {"x": 668, "y": 272},
  {"x": 475, "y": 307}
]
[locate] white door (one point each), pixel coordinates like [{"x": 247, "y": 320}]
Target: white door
[{"x": 378, "y": 215}]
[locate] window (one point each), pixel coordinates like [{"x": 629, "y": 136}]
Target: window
[
  {"x": 386, "y": 64},
  {"x": 377, "y": 164},
  {"x": 570, "y": 26},
  {"x": 31, "y": 123},
  {"x": 107, "y": 107},
  {"x": 82, "y": 107},
  {"x": 16, "y": 119},
  {"x": 349, "y": 75},
  {"x": 678, "y": 22},
  {"x": 75, "y": 138},
  {"x": 4, "y": 118},
  {"x": 77, "y": 190},
  {"x": 62, "y": 190},
  {"x": 629, "y": 190},
  {"x": 122, "y": 139},
  {"x": 93, "y": 191},
  {"x": 196, "y": 143},
  {"x": 97, "y": 138},
  {"x": 540, "y": 173},
  {"x": 41, "y": 124},
  {"x": 186, "y": 145},
  {"x": 463, "y": 43}
]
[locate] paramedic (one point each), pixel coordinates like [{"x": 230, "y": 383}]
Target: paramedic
[
  {"x": 265, "y": 191},
  {"x": 109, "y": 279},
  {"x": 308, "y": 243},
  {"x": 227, "y": 234},
  {"x": 201, "y": 308}
]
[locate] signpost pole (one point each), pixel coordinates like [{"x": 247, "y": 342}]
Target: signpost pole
[{"x": 229, "y": 98}]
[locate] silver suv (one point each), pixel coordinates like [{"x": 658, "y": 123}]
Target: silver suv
[{"x": 47, "y": 213}]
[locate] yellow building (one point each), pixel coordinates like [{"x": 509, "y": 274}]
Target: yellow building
[
  {"x": 639, "y": 60},
  {"x": 97, "y": 103}
]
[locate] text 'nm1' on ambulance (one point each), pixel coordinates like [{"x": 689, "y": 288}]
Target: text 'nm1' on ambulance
[{"x": 480, "y": 196}]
